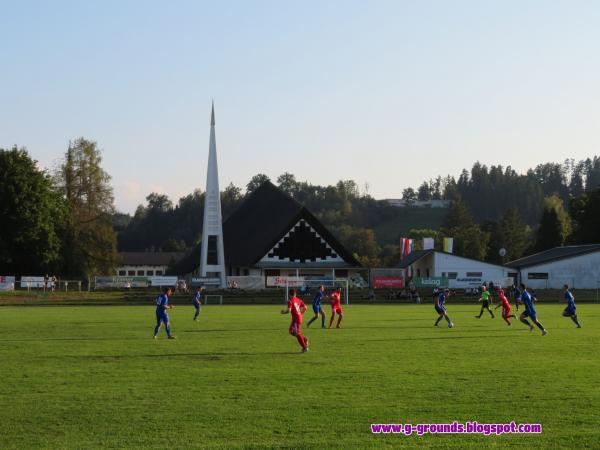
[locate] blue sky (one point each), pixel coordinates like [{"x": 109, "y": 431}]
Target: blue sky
[{"x": 385, "y": 93}]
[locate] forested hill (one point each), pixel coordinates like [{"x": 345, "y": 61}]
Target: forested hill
[{"x": 371, "y": 228}]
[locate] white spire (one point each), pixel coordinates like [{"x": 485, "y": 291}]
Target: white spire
[{"x": 212, "y": 256}]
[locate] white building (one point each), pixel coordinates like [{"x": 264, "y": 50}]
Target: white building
[
  {"x": 145, "y": 264},
  {"x": 461, "y": 272},
  {"x": 577, "y": 266}
]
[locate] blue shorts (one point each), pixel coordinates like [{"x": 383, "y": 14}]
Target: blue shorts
[
  {"x": 317, "y": 308},
  {"x": 197, "y": 305},
  {"x": 530, "y": 313},
  {"x": 440, "y": 309},
  {"x": 570, "y": 311},
  {"x": 162, "y": 317}
]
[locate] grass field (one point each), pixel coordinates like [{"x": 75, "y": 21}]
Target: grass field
[{"x": 89, "y": 377}]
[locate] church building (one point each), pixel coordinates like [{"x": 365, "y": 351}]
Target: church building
[{"x": 271, "y": 234}]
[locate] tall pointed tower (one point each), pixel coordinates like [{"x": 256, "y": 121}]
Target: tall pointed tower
[{"x": 212, "y": 256}]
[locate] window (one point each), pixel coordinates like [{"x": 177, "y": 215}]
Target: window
[
  {"x": 150, "y": 273},
  {"x": 159, "y": 272},
  {"x": 246, "y": 272},
  {"x": 140, "y": 273},
  {"x": 427, "y": 272},
  {"x": 212, "y": 256},
  {"x": 237, "y": 271},
  {"x": 537, "y": 276},
  {"x": 418, "y": 272},
  {"x": 474, "y": 274},
  {"x": 122, "y": 273},
  {"x": 452, "y": 275},
  {"x": 131, "y": 273}
]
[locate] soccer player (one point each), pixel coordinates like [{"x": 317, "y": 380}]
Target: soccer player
[
  {"x": 296, "y": 307},
  {"x": 486, "y": 299},
  {"x": 506, "y": 315},
  {"x": 317, "y": 308},
  {"x": 571, "y": 309},
  {"x": 440, "y": 307},
  {"x": 530, "y": 311},
  {"x": 336, "y": 307},
  {"x": 162, "y": 315},
  {"x": 198, "y": 301}
]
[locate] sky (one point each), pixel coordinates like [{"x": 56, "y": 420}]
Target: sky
[{"x": 386, "y": 93}]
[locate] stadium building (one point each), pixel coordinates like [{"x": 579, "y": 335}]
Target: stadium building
[
  {"x": 145, "y": 263},
  {"x": 272, "y": 235},
  {"x": 461, "y": 272},
  {"x": 575, "y": 265}
]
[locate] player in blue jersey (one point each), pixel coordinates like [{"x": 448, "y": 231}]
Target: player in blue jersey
[
  {"x": 317, "y": 307},
  {"x": 198, "y": 301},
  {"x": 162, "y": 315},
  {"x": 527, "y": 301},
  {"x": 571, "y": 309},
  {"x": 440, "y": 307}
]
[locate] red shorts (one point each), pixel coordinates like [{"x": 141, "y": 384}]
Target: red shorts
[
  {"x": 505, "y": 312},
  {"x": 295, "y": 328},
  {"x": 336, "y": 309}
]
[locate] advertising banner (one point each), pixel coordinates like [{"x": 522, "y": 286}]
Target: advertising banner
[
  {"x": 381, "y": 282},
  {"x": 32, "y": 282},
  {"x": 431, "y": 282},
  {"x": 162, "y": 281},
  {"x": 120, "y": 282},
  {"x": 206, "y": 281},
  {"x": 7, "y": 283},
  {"x": 285, "y": 281}
]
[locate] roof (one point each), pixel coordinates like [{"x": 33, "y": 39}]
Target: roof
[
  {"x": 413, "y": 257},
  {"x": 258, "y": 224},
  {"x": 148, "y": 258},
  {"x": 554, "y": 254}
]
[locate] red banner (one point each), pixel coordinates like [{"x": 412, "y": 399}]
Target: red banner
[{"x": 388, "y": 282}]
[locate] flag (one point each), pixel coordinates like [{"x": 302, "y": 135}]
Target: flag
[
  {"x": 448, "y": 244},
  {"x": 406, "y": 246},
  {"x": 427, "y": 243}
]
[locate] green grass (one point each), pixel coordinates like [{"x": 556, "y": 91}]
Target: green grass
[
  {"x": 407, "y": 219},
  {"x": 90, "y": 377}
]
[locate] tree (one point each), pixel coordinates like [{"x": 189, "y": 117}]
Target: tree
[
  {"x": 409, "y": 195},
  {"x": 287, "y": 183},
  {"x": 555, "y": 225},
  {"x": 159, "y": 202},
  {"x": 424, "y": 192},
  {"x": 231, "y": 197},
  {"x": 469, "y": 240},
  {"x": 32, "y": 213},
  {"x": 362, "y": 243},
  {"x": 586, "y": 217},
  {"x": 255, "y": 182},
  {"x": 509, "y": 233},
  {"x": 89, "y": 238},
  {"x": 418, "y": 234}
]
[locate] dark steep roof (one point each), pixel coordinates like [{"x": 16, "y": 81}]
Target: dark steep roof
[
  {"x": 413, "y": 257},
  {"x": 259, "y": 223},
  {"x": 554, "y": 254}
]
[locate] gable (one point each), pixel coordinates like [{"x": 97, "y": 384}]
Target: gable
[{"x": 302, "y": 244}]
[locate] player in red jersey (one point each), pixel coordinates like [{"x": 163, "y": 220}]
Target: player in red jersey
[
  {"x": 296, "y": 307},
  {"x": 336, "y": 307},
  {"x": 506, "y": 315}
]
